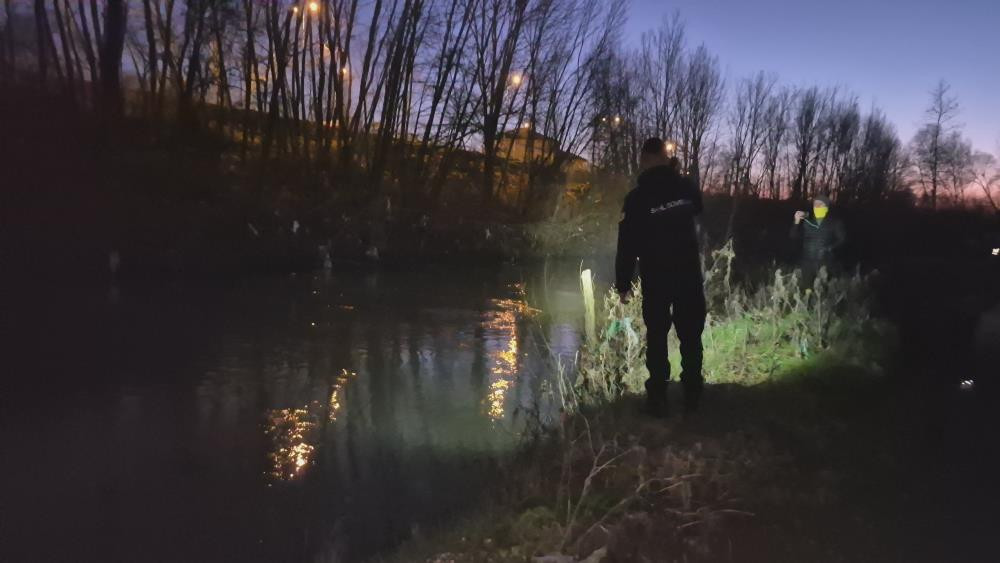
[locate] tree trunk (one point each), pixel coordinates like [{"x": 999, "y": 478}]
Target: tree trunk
[
  {"x": 224, "y": 98},
  {"x": 66, "y": 40},
  {"x": 249, "y": 72},
  {"x": 152, "y": 57},
  {"x": 8, "y": 47},
  {"x": 40, "y": 36},
  {"x": 112, "y": 47}
]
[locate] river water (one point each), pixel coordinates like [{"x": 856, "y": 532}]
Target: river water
[{"x": 274, "y": 419}]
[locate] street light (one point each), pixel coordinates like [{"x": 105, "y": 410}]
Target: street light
[
  {"x": 516, "y": 79},
  {"x": 670, "y": 147},
  {"x": 618, "y": 119},
  {"x": 314, "y": 7}
]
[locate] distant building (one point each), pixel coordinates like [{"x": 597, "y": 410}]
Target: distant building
[
  {"x": 525, "y": 144},
  {"x": 552, "y": 186}
]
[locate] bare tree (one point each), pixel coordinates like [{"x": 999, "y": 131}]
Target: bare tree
[
  {"x": 775, "y": 138},
  {"x": 384, "y": 97},
  {"x": 7, "y": 42},
  {"x": 616, "y": 123},
  {"x": 699, "y": 100},
  {"x": 843, "y": 124},
  {"x": 956, "y": 167},
  {"x": 46, "y": 46},
  {"x": 807, "y": 122},
  {"x": 564, "y": 49},
  {"x": 929, "y": 145},
  {"x": 986, "y": 176},
  {"x": 67, "y": 42},
  {"x": 112, "y": 47},
  {"x": 747, "y": 121},
  {"x": 661, "y": 74},
  {"x": 496, "y": 33},
  {"x": 876, "y": 163}
]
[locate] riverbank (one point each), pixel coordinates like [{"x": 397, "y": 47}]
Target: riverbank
[
  {"x": 766, "y": 473},
  {"x": 836, "y": 465},
  {"x": 839, "y": 452}
]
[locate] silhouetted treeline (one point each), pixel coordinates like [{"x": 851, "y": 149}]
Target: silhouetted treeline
[
  {"x": 753, "y": 137},
  {"x": 392, "y": 95},
  {"x": 378, "y": 92}
]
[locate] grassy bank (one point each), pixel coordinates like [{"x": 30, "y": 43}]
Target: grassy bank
[
  {"x": 753, "y": 333},
  {"x": 768, "y": 471}
]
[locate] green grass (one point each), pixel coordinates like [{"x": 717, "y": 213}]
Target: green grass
[{"x": 752, "y": 334}]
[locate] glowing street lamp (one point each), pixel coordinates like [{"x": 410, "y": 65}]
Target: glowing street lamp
[
  {"x": 670, "y": 147},
  {"x": 516, "y": 79},
  {"x": 618, "y": 120},
  {"x": 314, "y": 7},
  {"x": 295, "y": 9}
]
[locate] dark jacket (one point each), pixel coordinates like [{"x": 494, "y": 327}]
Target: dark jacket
[
  {"x": 820, "y": 239},
  {"x": 658, "y": 229}
]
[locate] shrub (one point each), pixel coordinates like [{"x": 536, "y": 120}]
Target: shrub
[{"x": 752, "y": 334}]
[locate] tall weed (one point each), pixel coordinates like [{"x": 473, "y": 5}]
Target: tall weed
[{"x": 752, "y": 334}]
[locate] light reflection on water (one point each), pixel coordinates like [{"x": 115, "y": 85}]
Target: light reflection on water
[
  {"x": 335, "y": 390},
  {"x": 230, "y": 421},
  {"x": 290, "y": 430},
  {"x": 501, "y": 334},
  {"x": 293, "y": 431},
  {"x": 501, "y": 327}
]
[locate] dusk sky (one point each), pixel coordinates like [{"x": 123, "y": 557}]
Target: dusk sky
[{"x": 887, "y": 52}]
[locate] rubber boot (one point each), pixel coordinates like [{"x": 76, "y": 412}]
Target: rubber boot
[
  {"x": 656, "y": 399},
  {"x": 692, "y": 397}
]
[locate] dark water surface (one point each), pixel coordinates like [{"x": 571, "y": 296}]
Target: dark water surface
[{"x": 274, "y": 419}]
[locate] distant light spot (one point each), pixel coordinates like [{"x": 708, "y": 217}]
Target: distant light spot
[{"x": 967, "y": 384}]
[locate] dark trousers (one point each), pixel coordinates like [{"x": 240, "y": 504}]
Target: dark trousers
[
  {"x": 810, "y": 269},
  {"x": 681, "y": 303}
]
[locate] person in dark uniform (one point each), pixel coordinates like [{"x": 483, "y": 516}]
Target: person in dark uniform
[
  {"x": 658, "y": 230},
  {"x": 821, "y": 236}
]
